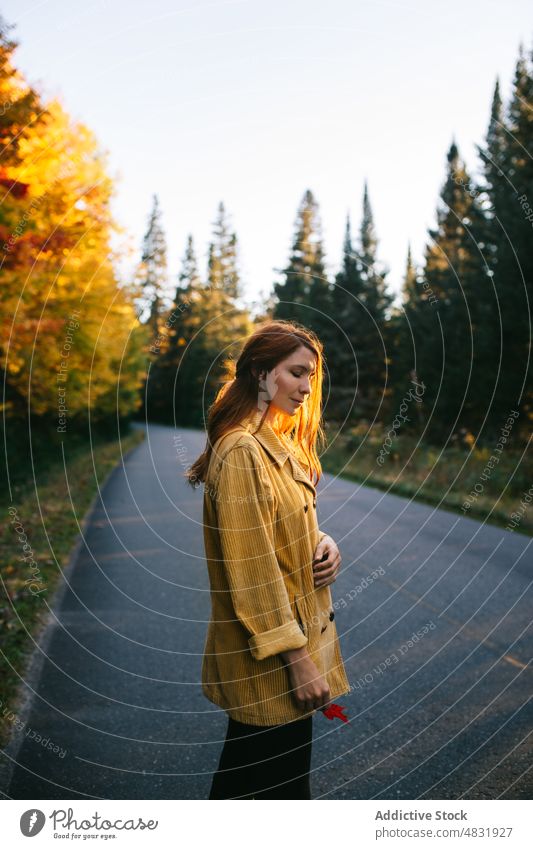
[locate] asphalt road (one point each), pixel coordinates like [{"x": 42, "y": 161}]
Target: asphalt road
[{"x": 447, "y": 716}]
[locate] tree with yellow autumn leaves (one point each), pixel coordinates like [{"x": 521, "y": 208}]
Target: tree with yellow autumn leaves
[{"x": 71, "y": 341}]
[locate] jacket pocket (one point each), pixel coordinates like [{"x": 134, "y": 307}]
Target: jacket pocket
[
  {"x": 328, "y": 617},
  {"x": 300, "y": 615}
]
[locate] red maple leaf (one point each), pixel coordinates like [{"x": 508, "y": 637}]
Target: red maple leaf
[{"x": 333, "y": 711}]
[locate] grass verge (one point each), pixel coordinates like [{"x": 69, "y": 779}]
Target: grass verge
[{"x": 481, "y": 482}]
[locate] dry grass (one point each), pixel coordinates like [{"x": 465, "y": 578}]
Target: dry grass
[{"x": 449, "y": 478}]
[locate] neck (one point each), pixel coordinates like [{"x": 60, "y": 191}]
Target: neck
[{"x": 271, "y": 416}]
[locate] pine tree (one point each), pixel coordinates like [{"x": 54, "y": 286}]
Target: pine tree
[
  {"x": 347, "y": 311},
  {"x": 207, "y": 327},
  {"x": 188, "y": 295},
  {"x": 494, "y": 193},
  {"x": 405, "y": 332},
  {"x": 510, "y": 190},
  {"x": 153, "y": 276},
  {"x": 305, "y": 283},
  {"x": 376, "y": 297},
  {"x": 222, "y": 261},
  {"x": 178, "y": 328},
  {"x": 368, "y": 322},
  {"x": 451, "y": 326},
  {"x": 197, "y": 343},
  {"x": 409, "y": 281},
  {"x": 494, "y": 189}
]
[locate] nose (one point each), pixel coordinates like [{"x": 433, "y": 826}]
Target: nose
[{"x": 305, "y": 386}]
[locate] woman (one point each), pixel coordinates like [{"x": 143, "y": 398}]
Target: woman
[{"x": 272, "y": 655}]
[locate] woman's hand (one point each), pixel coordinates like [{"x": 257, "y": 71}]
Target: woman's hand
[
  {"x": 326, "y": 562},
  {"x": 309, "y": 689}
]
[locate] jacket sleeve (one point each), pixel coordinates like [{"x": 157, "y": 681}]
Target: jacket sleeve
[{"x": 245, "y": 518}]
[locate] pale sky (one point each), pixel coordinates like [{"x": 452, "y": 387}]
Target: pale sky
[{"x": 254, "y": 102}]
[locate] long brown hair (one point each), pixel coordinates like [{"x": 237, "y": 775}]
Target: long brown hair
[{"x": 271, "y": 342}]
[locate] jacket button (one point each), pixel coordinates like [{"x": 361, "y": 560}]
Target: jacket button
[
  {"x": 314, "y": 503},
  {"x": 306, "y": 507},
  {"x": 331, "y": 616}
]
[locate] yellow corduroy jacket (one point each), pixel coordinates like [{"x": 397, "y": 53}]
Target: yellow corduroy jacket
[{"x": 260, "y": 534}]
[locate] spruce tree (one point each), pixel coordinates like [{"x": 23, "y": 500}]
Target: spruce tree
[
  {"x": 211, "y": 328},
  {"x": 347, "y": 310},
  {"x": 153, "y": 273},
  {"x": 452, "y": 329},
  {"x": 304, "y": 282},
  {"x": 510, "y": 190},
  {"x": 222, "y": 261},
  {"x": 495, "y": 186},
  {"x": 197, "y": 339},
  {"x": 494, "y": 194},
  {"x": 377, "y": 301},
  {"x": 405, "y": 331},
  {"x": 365, "y": 318},
  {"x": 409, "y": 281},
  {"x": 180, "y": 324}
]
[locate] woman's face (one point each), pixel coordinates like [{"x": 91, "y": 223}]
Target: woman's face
[{"x": 288, "y": 383}]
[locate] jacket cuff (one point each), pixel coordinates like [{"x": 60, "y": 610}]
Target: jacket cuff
[{"x": 283, "y": 638}]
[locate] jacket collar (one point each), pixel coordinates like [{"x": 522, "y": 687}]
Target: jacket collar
[{"x": 265, "y": 435}]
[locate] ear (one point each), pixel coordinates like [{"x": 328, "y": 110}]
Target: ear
[{"x": 259, "y": 374}]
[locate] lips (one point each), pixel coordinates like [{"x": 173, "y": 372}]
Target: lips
[{"x": 295, "y": 401}]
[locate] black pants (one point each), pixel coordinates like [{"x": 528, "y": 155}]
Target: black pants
[{"x": 265, "y": 761}]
